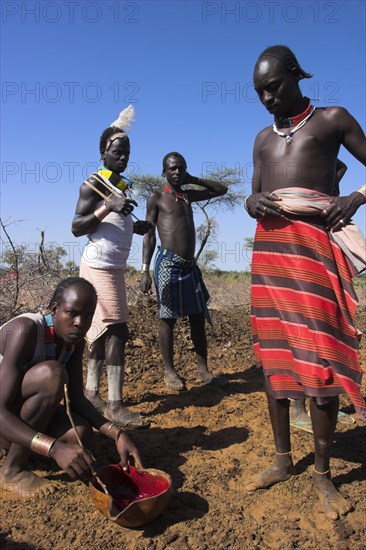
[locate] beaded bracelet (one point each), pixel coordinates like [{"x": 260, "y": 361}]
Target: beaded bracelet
[{"x": 42, "y": 444}]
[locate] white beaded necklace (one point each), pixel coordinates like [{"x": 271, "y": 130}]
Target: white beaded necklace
[{"x": 300, "y": 125}]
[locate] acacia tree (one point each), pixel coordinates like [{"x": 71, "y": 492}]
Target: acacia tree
[
  {"x": 208, "y": 229},
  {"x": 144, "y": 185},
  {"x": 248, "y": 243},
  {"x": 28, "y": 274},
  {"x": 228, "y": 202}
]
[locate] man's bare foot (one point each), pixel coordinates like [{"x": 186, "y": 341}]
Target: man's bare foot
[
  {"x": 270, "y": 476},
  {"x": 94, "y": 398},
  {"x": 124, "y": 417},
  {"x": 172, "y": 380},
  {"x": 334, "y": 505},
  {"x": 26, "y": 484}
]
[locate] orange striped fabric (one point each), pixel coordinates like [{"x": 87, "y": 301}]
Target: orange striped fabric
[
  {"x": 303, "y": 309},
  {"x": 306, "y": 202}
]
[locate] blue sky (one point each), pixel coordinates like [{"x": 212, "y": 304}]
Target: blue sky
[{"x": 69, "y": 67}]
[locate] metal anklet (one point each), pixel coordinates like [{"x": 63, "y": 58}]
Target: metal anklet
[
  {"x": 109, "y": 428},
  {"x": 282, "y": 454},
  {"x": 320, "y": 473}
]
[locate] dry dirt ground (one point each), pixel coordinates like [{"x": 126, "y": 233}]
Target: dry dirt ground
[{"x": 209, "y": 440}]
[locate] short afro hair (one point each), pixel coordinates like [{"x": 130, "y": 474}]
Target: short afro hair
[{"x": 173, "y": 154}]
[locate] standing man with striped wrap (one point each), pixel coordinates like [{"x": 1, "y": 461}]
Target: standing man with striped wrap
[{"x": 305, "y": 255}]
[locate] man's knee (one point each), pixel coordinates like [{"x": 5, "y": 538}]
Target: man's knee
[
  {"x": 197, "y": 324},
  {"x": 96, "y": 348},
  {"x": 198, "y": 318},
  {"x": 48, "y": 378},
  {"x": 119, "y": 331},
  {"x": 84, "y": 432},
  {"x": 167, "y": 324}
]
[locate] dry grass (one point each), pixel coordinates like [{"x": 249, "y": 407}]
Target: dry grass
[{"x": 227, "y": 290}]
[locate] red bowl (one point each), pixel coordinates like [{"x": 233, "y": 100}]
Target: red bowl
[{"x": 134, "y": 498}]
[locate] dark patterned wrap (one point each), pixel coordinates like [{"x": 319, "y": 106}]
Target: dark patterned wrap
[{"x": 179, "y": 286}]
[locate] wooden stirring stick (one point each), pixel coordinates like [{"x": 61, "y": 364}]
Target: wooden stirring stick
[{"x": 68, "y": 410}]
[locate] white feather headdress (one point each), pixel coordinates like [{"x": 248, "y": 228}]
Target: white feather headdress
[{"x": 125, "y": 119}]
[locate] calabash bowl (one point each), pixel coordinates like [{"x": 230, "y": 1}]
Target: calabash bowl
[{"x": 134, "y": 498}]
